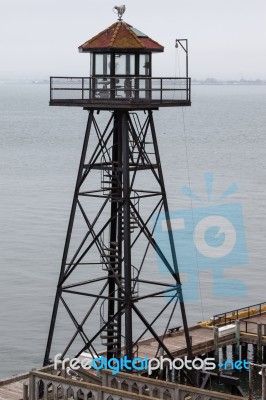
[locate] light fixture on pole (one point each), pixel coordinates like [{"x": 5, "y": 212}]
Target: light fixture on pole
[{"x": 184, "y": 45}]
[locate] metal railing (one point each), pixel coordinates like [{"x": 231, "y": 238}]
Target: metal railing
[
  {"x": 240, "y": 313},
  {"x": 252, "y": 327},
  {"x": 120, "y": 89}
]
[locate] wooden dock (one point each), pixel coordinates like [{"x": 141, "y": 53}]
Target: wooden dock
[
  {"x": 246, "y": 327},
  {"x": 203, "y": 338},
  {"x": 12, "y": 388}
]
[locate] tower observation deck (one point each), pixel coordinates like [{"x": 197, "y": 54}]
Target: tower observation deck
[{"x": 121, "y": 75}]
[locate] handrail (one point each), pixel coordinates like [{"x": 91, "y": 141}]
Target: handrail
[
  {"x": 253, "y": 324},
  {"x": 71, "y": 386},
  {"x": 120, "y": 88},
  {"x": 122, "y": 76},
  {"x": 120, "y": 386},
  {"x": 243, "y": 312}
]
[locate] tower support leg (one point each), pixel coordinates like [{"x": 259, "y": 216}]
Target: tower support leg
[
  {"x": 171, "y": 238},
  {"x": 68, "y": 238}
]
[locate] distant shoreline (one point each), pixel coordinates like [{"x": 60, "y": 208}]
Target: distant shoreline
[
  {"x": 207, "y": 82},
  {"x": 229, "y": 83}
]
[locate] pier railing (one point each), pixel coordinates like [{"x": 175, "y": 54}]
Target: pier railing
[
  {"x": 103, "y": 89},
  {"x": 252, "y": 327},
  {"x": 230, "y": 317},
  {"x": 119, "y": 387},
  {"x": 160, "y": 389}
]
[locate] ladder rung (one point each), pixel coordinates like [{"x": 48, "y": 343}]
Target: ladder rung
[
  {"x": 110, "y": 343},
  {"x": 108, "y": 337}
]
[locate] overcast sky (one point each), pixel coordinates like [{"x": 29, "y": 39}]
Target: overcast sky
[{"x": 227, "y": 38}]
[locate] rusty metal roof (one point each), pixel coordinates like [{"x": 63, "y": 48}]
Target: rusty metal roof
[{"x": 121, "y": 36}]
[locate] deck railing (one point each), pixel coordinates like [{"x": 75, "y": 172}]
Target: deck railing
[
  {"x": 252, "y": 327},
  {"x": 240, "y": 313},
  {"x": 119, "y": 387},
  {"x": 120, "y": 88}
]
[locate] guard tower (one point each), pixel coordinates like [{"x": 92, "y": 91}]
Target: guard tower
[{"x": 109, "y": 283}]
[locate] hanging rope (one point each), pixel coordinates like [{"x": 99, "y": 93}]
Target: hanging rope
[{"x": 189, "y": 184}]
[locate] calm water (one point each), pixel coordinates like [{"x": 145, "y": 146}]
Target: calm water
[{"x": 39, "y": 156}]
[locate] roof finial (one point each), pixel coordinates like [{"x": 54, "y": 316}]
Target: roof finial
[{"x": 119, "y": 11}]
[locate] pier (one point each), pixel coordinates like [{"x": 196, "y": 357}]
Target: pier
[
  {"x": 121, "y": 387},
  {"x": 12, "y": 388},
  {"x": 238, "y": 329}
]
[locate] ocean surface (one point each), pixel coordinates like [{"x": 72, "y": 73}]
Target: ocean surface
[{"x": 223, "y": 133}]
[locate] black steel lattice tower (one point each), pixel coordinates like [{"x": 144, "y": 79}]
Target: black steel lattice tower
[{"x": 109, "y": 273}]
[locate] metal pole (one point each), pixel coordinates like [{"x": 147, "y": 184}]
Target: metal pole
[
  {"x": 263, "y": 389},
  {"x": 113, "y": 249},
  {"x": 185, "y": 48},
  {"x": 216, "y": 343},
  {"x": 259, "y": 341},
  {"x": 114, "y": 350},
  {"x": 119, "y": 239},
  {"x": 237, "y": 336},
  {"x": 250, "y": 382},
  {"x": 51, "y": 88},
  {"x": 187, "y": 57},
  {"x": 263, "y": 377},
  {"x": 127, "y": 242}
]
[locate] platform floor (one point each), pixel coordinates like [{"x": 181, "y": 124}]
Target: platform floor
[
  {"x": 12, "y": 391},
  {"x": 252, "y": 323},
  {"x": 203, "y": 338},
  {"x": 176, "y": 343}
]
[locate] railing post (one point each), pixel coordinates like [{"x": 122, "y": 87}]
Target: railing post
[
  {"x": 104, "y": 378},
  {"x": 25, "y": 391},
  {"x": 259, "y": 342},
  {"x": 237, "y": 337},
  {"x": 51, "y": 81},
  {"x": 90, "y": 88},
  {"x": 136, "y": 87},
  {"x": 32, "y": 386},
  {"x": 82, "y": 87},
  {"x": 216, "y": 343},
  {"x": 161, "y": 87},
  {"x": 45, "y": 395},
  {"x": 100, "y": 394}
]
